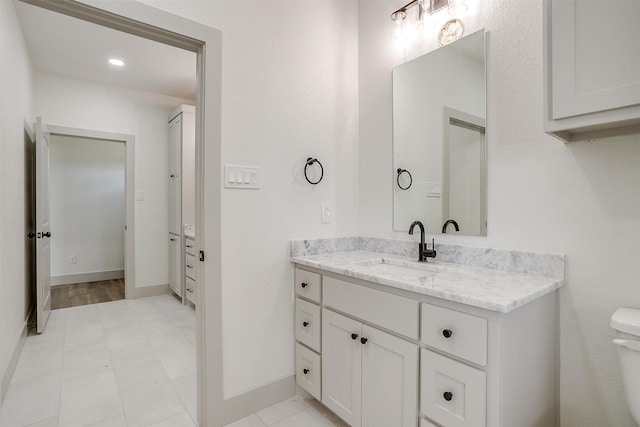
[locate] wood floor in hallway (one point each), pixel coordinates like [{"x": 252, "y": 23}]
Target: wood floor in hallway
[{"x": 63, "y": 296}]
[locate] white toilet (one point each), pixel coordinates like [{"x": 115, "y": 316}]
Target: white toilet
[{"x": 627, "y": 322}]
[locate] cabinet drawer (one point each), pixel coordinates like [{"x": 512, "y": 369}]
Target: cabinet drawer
[
  {"x": 460, "y": 334},
  {"x": 308, "y": 323},
  {"x": 389, "y": 311},
  {"x": 190, "y": 266},
  {"x": 308, "y": 370},
  {"x": 452, "y": 393},
  {"x": 190, "y": 246},
  {"x": 190, "y": 285},
  {"x": 307, "y": 285}
]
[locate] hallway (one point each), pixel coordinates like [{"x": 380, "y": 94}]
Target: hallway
[{"x": 127, "y": 362}]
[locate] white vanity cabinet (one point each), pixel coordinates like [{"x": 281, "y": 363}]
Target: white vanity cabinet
[
  {"x": 393, "y": 357},
  {"x": 368, "y": 375},
  {"x": 308, "y": 323},
  {"x": 592, "y": 78}
]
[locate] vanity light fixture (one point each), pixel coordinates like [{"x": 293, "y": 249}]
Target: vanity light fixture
[
  {"x": 117, "y": 62},
  {"x": 425, "y": 9}
]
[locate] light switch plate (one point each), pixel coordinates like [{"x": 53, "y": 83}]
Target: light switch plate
[
  {"x": 246, "y": 177},
  {"x": 434, "y": 189},
  {"x": 326, "y": 213}
]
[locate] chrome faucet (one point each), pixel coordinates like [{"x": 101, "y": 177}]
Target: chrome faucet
[
  {"x": 423, "y": 252},
  {"x": 446, "y": 224}
]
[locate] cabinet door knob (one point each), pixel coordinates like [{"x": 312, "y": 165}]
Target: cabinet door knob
[
  {"x": 354, "y": 336},
  {"x": 304, "y": 285},
  {"x": 305, "y": 371},
  {"x": 447, "y": 396},
  {"x": 305, "y": 324},
  {"x": 447, "y": 333},
  {"x": 172, "y": 176},
  {"x": 363, "y": 340}
]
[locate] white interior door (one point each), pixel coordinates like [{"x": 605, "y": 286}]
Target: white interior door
[{"x": 43, "y": 227}]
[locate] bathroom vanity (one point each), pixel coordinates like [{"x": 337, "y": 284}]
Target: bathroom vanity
[{"x": 382, "y": 337}]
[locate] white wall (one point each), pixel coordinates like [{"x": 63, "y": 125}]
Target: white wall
[
  {"x": 289, "y": 92},
  {"x": 82, "y": 104},
  {"x": 87, "y": 205},
  {"x": 16, "y": 107},
  {"x": 580, "y": 199}
]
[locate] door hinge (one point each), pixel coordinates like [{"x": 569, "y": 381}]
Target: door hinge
[{"x": 201, "y": 255}]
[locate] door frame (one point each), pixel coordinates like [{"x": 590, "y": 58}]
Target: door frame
[
  {"x": 129, "y": 194},
  {"x": 148, "y": 22}
]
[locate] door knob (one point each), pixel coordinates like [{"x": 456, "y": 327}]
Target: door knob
[
  {"x": 305, "y": 371},
  {"x": 31, "y": 235},
  {"x": 354, "y": 336},
  {"x": 363, "y": 340},
  {"x": 447, "y": 396},
  {"x": 447, "y": 333},
  {"x": 47, "y": 234},
  {"x": 305, "y": 324},
  {"x": 304, "y": 285}
]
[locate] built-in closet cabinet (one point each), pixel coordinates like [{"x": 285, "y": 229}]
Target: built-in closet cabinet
[
  {"x": 592, "y": 68},
  {"x": 175, "y": 263},
  {"x": 181, "y": 190}
]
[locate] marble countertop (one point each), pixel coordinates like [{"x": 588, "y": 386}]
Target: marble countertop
[{"x": 491, "y": 289}]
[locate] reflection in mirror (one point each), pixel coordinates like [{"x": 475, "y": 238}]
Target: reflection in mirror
[{"x": 439, "y": 115}]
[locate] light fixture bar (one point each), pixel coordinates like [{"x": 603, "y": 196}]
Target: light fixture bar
[{"x": 432, "y": 7}]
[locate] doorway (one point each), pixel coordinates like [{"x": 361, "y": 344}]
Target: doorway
[
  {"x": 88, "y": 198},
  {"x": 148, "y": 22}
]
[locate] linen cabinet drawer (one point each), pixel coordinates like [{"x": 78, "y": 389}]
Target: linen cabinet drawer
[
  {"x": 393, "y": 312},
  {"x": 190, "y": 266},
  {"x": 451, "y": 393},
  {"x": 190, "y": 246},
  {"x": 190, "y": 286},
  {"x": 308, "y": 370},
  {"x": 308, "y": 323},
  {"x": 459, "y": 334},
  {"x": 426, "y": 423},
  {"x": 308, "y": 285}
]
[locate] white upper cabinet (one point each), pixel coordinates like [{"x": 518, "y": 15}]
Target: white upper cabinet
[
  {"x": 181, "y": 168},
  {"x": 592, "y": 68}
]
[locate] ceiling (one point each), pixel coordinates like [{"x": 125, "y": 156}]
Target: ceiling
[{"x": 61, "y": 44}]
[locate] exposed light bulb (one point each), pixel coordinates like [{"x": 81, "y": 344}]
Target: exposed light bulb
[{"x": 116, "y": 62}]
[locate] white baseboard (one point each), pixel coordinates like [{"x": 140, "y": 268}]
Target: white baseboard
[
  {"x": 256, "y": 400},
  {"x": 97, "y": 276},
  {"x": 148, "y": 291},
  {"x": 13, "y": 362}
]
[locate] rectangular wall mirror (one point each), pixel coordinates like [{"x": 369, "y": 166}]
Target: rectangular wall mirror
[{"x": 439, "y": 139}]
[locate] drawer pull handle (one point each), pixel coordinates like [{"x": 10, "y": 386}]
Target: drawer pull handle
[
  {"x": 447, "y": 333},
  {"x": 363, "y": 340},
  {"x": 305, "y": 324},
  {"x": 447, "y": 396},
  {"x": 354, "y": 336},
  {"x": 189, "y": 266},
  {"x": 305, "y": 371},
  {"x": 304, "y": 285}
]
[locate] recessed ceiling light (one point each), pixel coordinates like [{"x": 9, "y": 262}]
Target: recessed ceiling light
[{"x": 116, "y": 62}]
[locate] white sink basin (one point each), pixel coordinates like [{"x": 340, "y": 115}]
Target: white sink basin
[{"x": 397, "y": 267}]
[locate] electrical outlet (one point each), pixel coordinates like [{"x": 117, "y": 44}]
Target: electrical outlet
[{"x": 73, "y": 259}]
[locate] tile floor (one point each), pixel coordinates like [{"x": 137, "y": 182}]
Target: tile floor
[{"x": 124, "y": 363}]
